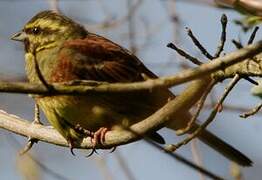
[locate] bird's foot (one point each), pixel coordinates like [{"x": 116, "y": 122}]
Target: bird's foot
[
  {"x": 71, "y": 142},
  {"x": 98, "y": 137}
]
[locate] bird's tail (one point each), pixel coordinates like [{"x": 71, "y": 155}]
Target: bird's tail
[{"x": 224, "y": 148}]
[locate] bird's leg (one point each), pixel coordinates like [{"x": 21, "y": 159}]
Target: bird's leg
[
  {"x": 83, "y": 131},
  {"x": 30, "y": 140},
  {"x": 97, "y": 137}
]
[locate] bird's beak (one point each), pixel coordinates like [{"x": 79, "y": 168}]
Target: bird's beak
[{"x": 19, "y": 36}]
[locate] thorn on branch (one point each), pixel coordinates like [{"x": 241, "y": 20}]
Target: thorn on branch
[
  {"x": 221, "y": 45},
  {"x": 28, "y": 146},
  {"x": 184, "y": 54},
  {"x": 251, "y": 112},
  {"x": 198, "y": 44}
]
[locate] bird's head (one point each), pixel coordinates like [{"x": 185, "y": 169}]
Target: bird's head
[{"x": 48, "y": 29}]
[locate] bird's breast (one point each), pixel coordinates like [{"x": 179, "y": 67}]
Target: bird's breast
[
  {"x": 47, "y": 62},
  {"x": 85, "y": 111}
]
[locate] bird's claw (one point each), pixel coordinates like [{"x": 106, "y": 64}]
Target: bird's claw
[
  {"x": 71, "y": 146},
  {"x": 92, "y": 152},
  {"x": 113, "y": 149},
  {"x": 97, "y": 137}
]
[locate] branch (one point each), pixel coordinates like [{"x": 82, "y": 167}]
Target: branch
[
  {"x": 198, "y": 44},
  {"x": 184, "y": 54},
  {"x": 84, "y": 87},
  {"x": 247, "y": 68},
  {"x": 113, "y": 138},
  {"x": 252, "y": 111},
  {"x": 221, "y": 45}
]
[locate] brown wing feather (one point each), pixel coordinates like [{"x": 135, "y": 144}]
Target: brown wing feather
[{"x": 102, "y": 60}]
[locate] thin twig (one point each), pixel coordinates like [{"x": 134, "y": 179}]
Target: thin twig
[
  {"x": 237, "y": 44},
  {"x": 211, "y": 116},
  {"x": 252, "y": 111},
  {"x": 220, "y": 47},
  {"x": 252, "y": 81},
  {"x": 200, "y": 105},
  {"x": 229, "y": 107},
  {"x": 253, "y": 35},
  {"x": 198, "y": 44},
  {"x": 184, "y": 54}
]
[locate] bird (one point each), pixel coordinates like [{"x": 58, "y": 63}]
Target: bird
[{"x": 59, "y": 50}]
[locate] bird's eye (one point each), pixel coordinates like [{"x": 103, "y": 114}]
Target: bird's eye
[{"x": 35, "y": 30}]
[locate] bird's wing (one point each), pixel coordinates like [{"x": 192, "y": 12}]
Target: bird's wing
[{"x": 97, "y": 58}]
